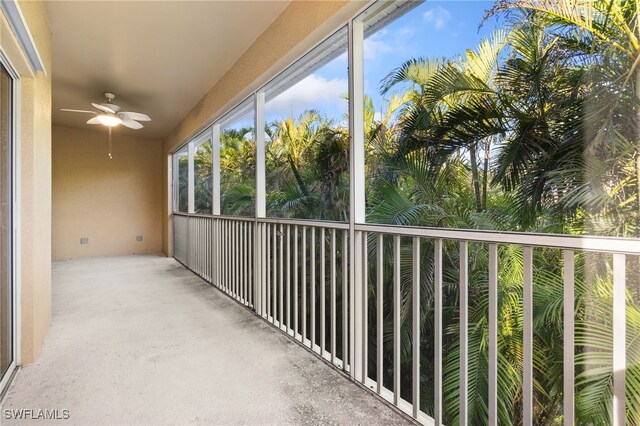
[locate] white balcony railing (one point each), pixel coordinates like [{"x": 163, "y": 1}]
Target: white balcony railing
[{"x": 299, "y": 276}]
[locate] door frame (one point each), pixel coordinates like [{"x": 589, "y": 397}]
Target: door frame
[{"x": 14, "y": 146}]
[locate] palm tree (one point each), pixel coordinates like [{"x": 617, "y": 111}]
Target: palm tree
[
  {"x": 237, "y": 172},
  {"x": 602, "y": 40},
  {"x": 450, "y": 106},
  {"x": 203, "y": 179},
  {"x": 307, "y": 164}
]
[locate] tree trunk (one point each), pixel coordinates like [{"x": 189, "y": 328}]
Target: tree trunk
[
  {"x": 474, "y": 175},
  {"x": 485, "y": 172},
  {"x": 637, "y": 93}
]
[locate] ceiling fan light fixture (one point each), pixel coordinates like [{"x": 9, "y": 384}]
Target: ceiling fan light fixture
[
  {"x": 109, "y": 120},
  {"x": 111, "y": 116}
]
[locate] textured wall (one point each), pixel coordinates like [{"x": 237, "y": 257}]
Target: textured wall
[{"x": 110, "y": 202}]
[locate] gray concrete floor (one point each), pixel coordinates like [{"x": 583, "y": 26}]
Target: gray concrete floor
[{"x": 141, "y": 340}]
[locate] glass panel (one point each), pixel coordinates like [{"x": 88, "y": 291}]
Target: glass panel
[
  {"x": 490, "y": 115},
  {"x": 182, "y": 181},
  {"x": 238, "y": 161},
  {"x": 203, "y": 177},
  {"x": 6, "y": 276},
  {"x": 307, "y": 136}
]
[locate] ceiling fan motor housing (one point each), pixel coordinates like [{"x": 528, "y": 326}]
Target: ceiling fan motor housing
[{"x": 110, "y": 97}]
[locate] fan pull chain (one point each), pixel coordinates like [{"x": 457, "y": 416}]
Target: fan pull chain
[{"x": 110, "y": 156}]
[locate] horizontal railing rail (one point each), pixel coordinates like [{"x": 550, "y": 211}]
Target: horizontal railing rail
[
  {"x": 573, "y": 242},
  {"x": 305, "y": 222}
]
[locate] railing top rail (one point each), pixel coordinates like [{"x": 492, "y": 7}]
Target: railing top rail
[
  {"x": 572, "y": 242},
  {"x": 305, "y": 222},
  {"x": 183, "y": 214},
  {"x": 208, "y": 216},
  {"x": 238, "y": 218}
]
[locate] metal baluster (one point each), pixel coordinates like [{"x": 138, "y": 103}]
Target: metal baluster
[
  {"x": 619, "y": 339},
  {"x": 493, "y": 334},
  {"x": 396, "y": 319},
  {"x": 295, "y": 281},
  {"x": 380, "y": 313},
  {"x": 313, "y": 288},
  {"x": 438, "y": 332},
  {"x": 415, "y": 344},
  {"x": 345, "y": 298},
  {"x": 323, "y": 323},
  {"x": 527, "y": 336},
  {"x": 568, "y": 338},
  {"x": 288, "y": 278},
  {"x": 304, "y": 284},
  {"x": 464, "y": 333}
]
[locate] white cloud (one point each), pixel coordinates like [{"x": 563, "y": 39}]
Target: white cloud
[
  {"x": 385, "y": 41},
  {"x": 313, "y": 92},
  {"x": 438, "y": 16},
  {"x": 377, "y": 43}
]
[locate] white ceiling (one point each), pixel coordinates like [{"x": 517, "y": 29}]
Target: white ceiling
[{"x": 158, "y": 57}]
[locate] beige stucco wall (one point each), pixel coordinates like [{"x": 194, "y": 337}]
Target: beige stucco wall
[
  {"x": 298, "y": 28},
  {"x": 110, "y": 202},
  {"x": 34, "y": 180}
]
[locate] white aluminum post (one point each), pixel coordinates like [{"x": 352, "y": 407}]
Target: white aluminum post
[
  {"x": 215, "y": 145},
  {"x": 259, "y": 270},
  {"x": 261, "y": 204},
  {"x": 175, "y": 187},
  {"x": 356, "y": 193},
  {"x": 190, "y": 198},
  {"x": 215, "y": 197},
  {"x": 191, "y": 178}
]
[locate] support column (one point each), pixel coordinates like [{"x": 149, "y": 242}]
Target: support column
[
  {"x": 215, "y": 146},
  {"x": 357, "y": 290},
  {"x": 215, "y": 203},
  {"x": 191, "y": 178},
  {"x": 259, "y": 269}
]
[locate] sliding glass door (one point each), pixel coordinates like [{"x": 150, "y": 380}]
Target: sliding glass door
[{"x": 7, "y": 287}]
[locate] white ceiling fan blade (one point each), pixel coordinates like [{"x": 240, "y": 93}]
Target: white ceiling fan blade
[
  {"x": 111, "y": 106},
  {"x": 94, "y": 120},
  {"x": 131, "y": 124},
  {"x": 134, "y": 116},
  {"x": 103, "y": 108},
  {"x": 77, "y": 110}
]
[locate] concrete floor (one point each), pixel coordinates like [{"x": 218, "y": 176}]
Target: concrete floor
[{"x": 141, "y": 340}]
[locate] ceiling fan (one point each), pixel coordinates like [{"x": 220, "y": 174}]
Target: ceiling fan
[{"x": 110, "y": 115}]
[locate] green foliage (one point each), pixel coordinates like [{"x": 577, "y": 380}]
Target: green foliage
[{"x": 307, "y": 168}]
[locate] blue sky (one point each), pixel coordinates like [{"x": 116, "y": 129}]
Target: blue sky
[{"x": 433, "y": 29}]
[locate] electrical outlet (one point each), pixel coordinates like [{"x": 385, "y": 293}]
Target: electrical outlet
[
  {"x": 138, "y": 237},
  {"x": 84, "y": 240}
]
